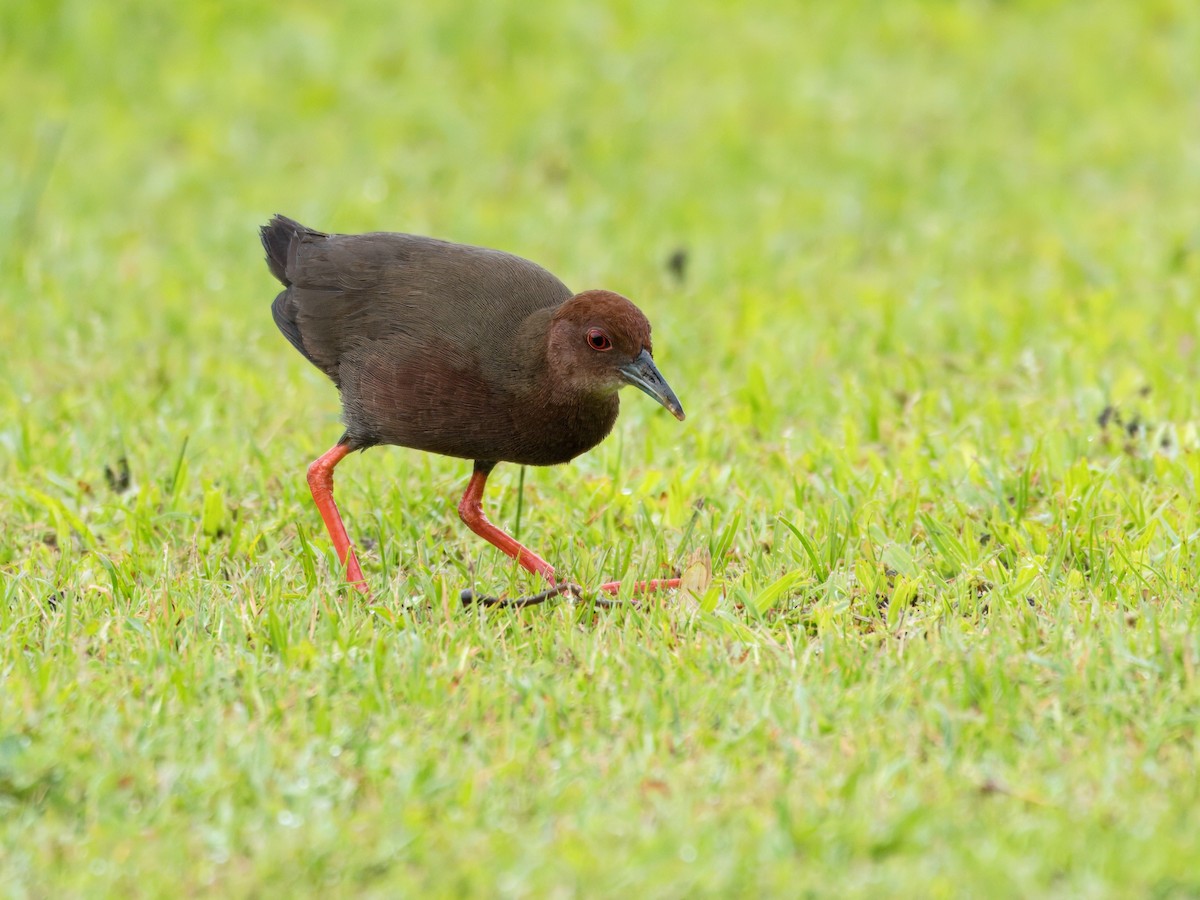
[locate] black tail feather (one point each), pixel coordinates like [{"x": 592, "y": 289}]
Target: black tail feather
[
  {"x": 277, "y": 237},
  {"x": 284, "y": 312},
  {"x": 281, "y": 239}
]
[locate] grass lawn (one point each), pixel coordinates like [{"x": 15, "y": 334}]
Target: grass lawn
[{"x": 937, "y": 336}]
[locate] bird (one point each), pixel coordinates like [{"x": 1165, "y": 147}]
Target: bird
[{"x": 461, "y": 351}]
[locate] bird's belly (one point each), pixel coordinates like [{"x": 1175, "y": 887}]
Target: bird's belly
[
  {"x": 492, "y": 438},
  {"x": 471, "y": 421},
  {"x": 435, "y": 405}
]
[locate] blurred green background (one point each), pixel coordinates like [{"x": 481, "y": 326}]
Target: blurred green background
[
  {"x": 936, "y": 336},
  {"x": 934, "y": 175}
]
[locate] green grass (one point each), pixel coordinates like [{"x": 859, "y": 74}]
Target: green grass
[{"x": 938, "y": 345}]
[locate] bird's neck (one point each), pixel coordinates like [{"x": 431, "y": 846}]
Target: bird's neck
[
  {"x": 533, "y": 337},
  {"x": 575, "y": 419}
]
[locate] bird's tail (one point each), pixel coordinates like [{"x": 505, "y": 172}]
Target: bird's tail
[{"x": 277, "y": 236}]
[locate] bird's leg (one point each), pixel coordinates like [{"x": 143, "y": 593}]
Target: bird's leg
[
  {"x": 470, "y": 510},
  {"x": 643, "y": 587},
  {"x": 320, "y": 482}
]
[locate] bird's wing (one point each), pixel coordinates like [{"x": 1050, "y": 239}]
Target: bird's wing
[{"x": 346, "y": 291}]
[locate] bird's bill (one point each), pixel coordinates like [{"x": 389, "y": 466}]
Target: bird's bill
[{"x": 644, "y": 375}]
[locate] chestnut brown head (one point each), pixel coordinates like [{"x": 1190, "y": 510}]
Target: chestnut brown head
[{"x": 599, "y": 342}]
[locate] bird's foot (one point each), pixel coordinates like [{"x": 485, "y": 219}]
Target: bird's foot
[
  {"x": 354, "y": 575},
  {"x": 566, "y": 587},
  {"x": 577, "y": 594},
  {"x": 363, "y": 590},
  {"x": 643, "y": 587}
]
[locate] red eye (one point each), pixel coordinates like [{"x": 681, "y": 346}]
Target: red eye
[{"x": 598, "y": 340}]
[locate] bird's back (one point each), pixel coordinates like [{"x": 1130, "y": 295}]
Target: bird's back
[
  {"x": 420, "y": 335},
  {"x": 344, "y": 290}
]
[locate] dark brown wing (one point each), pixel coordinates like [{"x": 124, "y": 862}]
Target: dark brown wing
[
  {"x": 347, "y": 290},
  {"x": 421, "y": 336}
]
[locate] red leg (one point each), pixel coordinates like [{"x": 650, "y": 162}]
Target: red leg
[
  {"x": 643, "y": 587},
  {"x": 470, "y": 510},
  {"x": 320, "y": 482}
]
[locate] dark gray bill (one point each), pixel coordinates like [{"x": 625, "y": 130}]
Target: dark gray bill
[{"x": 643, "y": 374}]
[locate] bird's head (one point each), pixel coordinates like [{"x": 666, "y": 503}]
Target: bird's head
[{"x": 599, "y": 341}]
